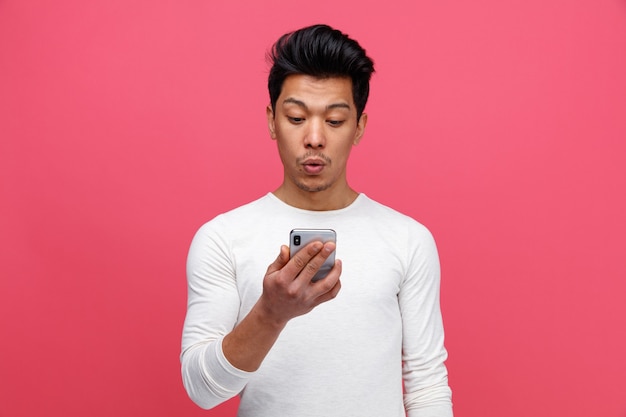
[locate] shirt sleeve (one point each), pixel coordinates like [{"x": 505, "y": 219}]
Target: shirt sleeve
[
  {"x": 212, "y": 311},
  {"x": 427, "y": 393}
]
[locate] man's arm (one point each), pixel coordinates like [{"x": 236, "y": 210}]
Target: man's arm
[
  {"x": 427, "y": 393},
  {"x": 219, "y": 354},
  {"x": 287, "y": 293}
]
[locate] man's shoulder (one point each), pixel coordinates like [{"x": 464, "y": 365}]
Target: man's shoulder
[
  {"x": 386, "y": 213},
  {"x": 392, "y": 225}
]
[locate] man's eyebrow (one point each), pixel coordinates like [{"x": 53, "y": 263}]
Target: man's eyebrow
[
  {"x": 301, "y": 103},
  {"x": 295, "y": 101},
  {"x": 338, "y": 106}
]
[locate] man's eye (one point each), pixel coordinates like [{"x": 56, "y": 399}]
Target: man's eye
[
  {"x": 335, "y": 122},
  {"x": 296, "y": 120}
]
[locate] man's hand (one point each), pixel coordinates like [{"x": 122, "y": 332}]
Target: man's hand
[
  {"x": 287, "y": 288},
  {"x": 288, "y": 292}
]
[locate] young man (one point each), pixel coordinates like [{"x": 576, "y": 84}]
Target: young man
[{"x": 345, "y": 345}]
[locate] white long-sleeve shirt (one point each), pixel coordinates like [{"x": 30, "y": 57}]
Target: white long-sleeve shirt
[{"x": 350, "y": 356}]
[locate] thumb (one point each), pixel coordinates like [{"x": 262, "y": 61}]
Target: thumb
[{"x": 281, "y": 260}]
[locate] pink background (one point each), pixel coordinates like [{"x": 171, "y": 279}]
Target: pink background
[{"x": 125, "y": 125}]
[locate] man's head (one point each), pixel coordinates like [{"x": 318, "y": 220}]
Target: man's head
[{"x": 322, "y": 52}]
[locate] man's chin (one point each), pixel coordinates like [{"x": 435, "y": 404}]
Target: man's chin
[{"x": 313, "y": 187}]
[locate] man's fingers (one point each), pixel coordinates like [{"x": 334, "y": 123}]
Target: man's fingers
[
  {"x": 280, "y": 262},
  {"x": 303, "y": 265},
  {"x": 316, "y": 261},
  {"x": 330, "y": 284},
  {"x": 300, "y": 260},
  {"x": 330, "y": 294}
]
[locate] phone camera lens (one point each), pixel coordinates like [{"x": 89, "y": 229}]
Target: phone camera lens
[{"x": 296, "y": 240}]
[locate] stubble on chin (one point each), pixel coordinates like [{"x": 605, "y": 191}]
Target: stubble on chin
[
  {"x": 311, "y": 186},
  {"x": 312, "y": 189}
]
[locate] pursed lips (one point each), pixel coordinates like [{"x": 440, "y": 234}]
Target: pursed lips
[{"x": 313, "y": 165}]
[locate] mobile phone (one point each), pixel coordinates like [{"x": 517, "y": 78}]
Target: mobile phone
[{"x": 299, "y": 238}]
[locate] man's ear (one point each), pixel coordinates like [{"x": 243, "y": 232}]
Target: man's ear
[
  {"x": 271, "y": 121},
  {"x": 360, "y": 128}
]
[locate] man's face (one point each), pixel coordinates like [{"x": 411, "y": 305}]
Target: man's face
[{"x": 315, "y": 127}]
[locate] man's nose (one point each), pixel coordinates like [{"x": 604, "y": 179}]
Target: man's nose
[{"x": 315, "y": 137}]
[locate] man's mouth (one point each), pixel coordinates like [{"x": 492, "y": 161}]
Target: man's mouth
[{"x": 313, "y": 165}]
